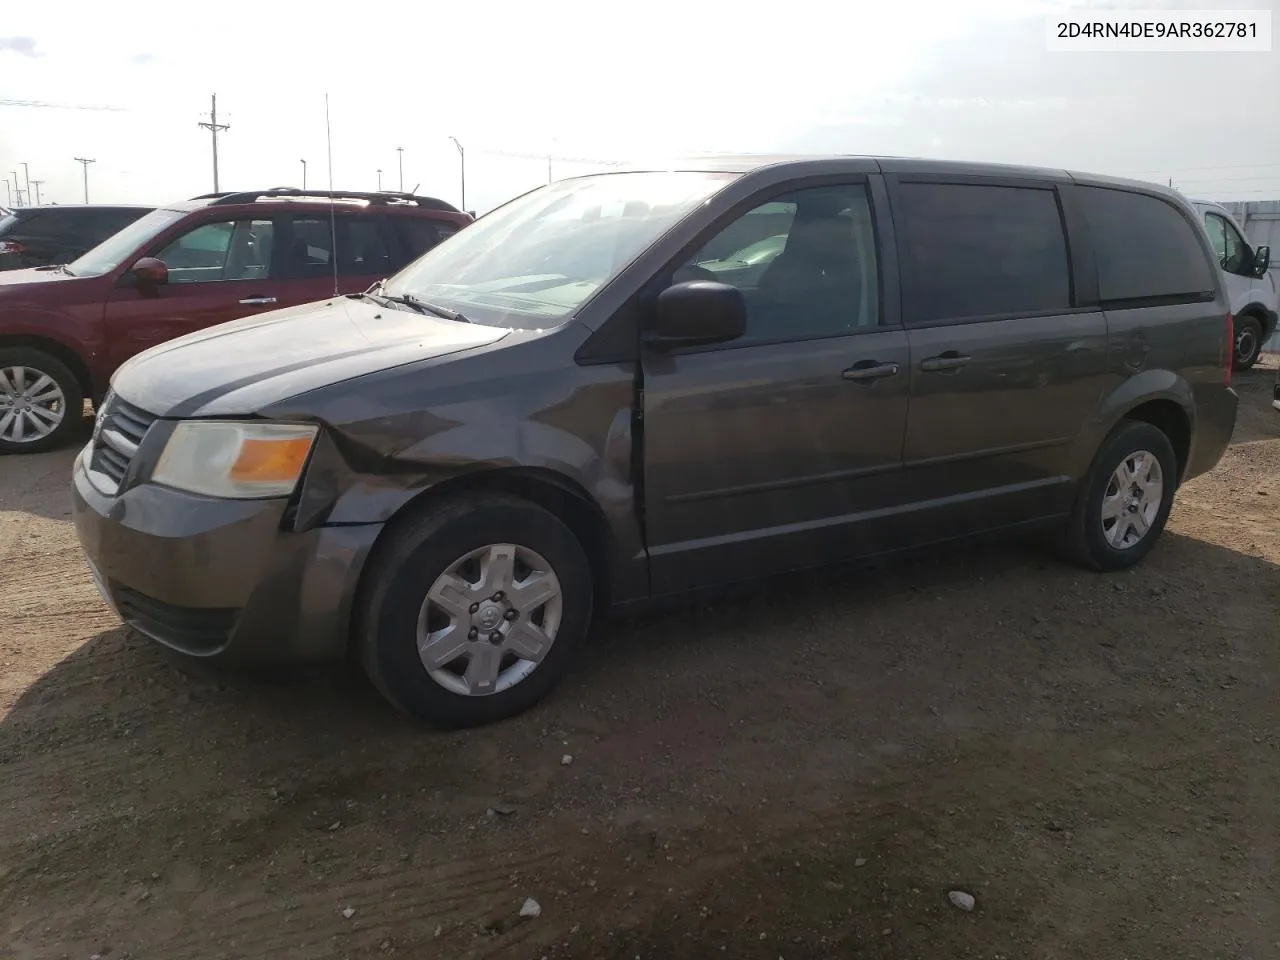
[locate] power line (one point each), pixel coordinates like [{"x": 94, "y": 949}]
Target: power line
[
  {"x": 1226, "y": 166},
  {"x": 55, "y": 106}
]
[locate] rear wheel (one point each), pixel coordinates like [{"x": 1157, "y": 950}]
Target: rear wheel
[
  {"x": 1124, "y": 501},
  {"x": 1248, "y": 345},
  {"x": 473, "y": 610},
  {"x": 40, "y": 401}
]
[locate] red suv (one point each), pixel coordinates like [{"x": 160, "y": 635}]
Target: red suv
[{"x": 64, "y": 329}]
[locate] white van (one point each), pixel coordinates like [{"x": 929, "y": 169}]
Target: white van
[{"x": 1252, "y": 290}]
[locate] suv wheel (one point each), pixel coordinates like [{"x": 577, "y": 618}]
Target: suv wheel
[
  {"x": 1124, "y": 501},
  {"x": 1248, "y": 345},
  {"x": 472, "y": 611},
  {"x": 40, "y": 401}
]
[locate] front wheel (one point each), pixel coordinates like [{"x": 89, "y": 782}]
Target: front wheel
[
  {"x": 41, "y": 401},
  {"x": 1248, "y": 345},
  {"x": 1124, "y": 500},
  {"x": 471, "y": 612}
]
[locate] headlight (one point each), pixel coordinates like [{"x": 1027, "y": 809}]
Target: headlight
[{"x": 222, "y": 458}]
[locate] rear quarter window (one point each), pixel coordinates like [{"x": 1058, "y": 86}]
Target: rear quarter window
[{"x": 1145, "y": 248}]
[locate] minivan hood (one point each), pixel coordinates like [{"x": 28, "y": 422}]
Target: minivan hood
[{"x": 237, "y": 368}]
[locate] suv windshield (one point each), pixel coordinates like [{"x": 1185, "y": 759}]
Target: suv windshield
[
  {"x": 114, "y": 250},
  {"x": 534, "y": 261}
]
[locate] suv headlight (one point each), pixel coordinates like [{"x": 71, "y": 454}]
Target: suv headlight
[{"x": 223, "y": 458}]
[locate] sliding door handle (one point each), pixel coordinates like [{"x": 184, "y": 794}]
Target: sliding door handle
[
  {"x": 257, "y": 301},
  {"x": 870, "y": 370},
  {"x": 948, "y": 361}
]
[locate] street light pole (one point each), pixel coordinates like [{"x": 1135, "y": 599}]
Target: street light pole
[
  {"x": 27, "y": 174},
  {"x": 462, "y": 162},
  {"x": 85, "y": 161},
  {"x": 8, "y": 192},
  {"x": 36, "y": 184},
  {"x": 400, "y": 158},
  {"x": 379, "y": 179},
  {"x": 17, "y": 187},
  {"x": 304, "y": 174}
]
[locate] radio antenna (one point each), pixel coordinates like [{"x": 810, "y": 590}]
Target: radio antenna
[{"x": 333, "y": 218}]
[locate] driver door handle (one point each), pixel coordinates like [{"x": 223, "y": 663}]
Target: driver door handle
[
  {"x": 870, "y": 370},
  {"x": 257, "y": 301},
  {"x": 951, "y": 360}
]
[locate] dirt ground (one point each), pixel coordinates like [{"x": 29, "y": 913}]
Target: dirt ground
[{"x": 806, "y": 773}]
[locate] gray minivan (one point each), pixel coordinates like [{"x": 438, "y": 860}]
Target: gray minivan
[{"x": 586, "y": 401}]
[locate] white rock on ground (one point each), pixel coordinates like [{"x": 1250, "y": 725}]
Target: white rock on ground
[
  {"x": 531, "y": 908},
  {"x": 961, "y": 900}
]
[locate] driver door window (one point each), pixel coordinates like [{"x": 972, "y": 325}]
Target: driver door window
[
  {"x": 227, "y": 250},
  {"x": 1233, "y": 253},
  {"x": 805, "y": 263}
]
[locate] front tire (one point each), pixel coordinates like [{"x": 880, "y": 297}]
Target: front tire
[
  {"x": 471, "y": 612},
  {"x": 41, "y": 401},
  {"x": 1124, "y": 501},
  {"x": 1248, "y": 344}
]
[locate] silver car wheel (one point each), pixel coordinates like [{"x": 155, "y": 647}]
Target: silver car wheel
[
  {"x": 1132, "y": 500},
  {"x": 489, "y": 619},
  {"x": 32, "y": 404}
]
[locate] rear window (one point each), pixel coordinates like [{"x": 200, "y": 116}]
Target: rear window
[
  {"x": 1145, "y": 248},
  {"x": 981, "y": 251}
]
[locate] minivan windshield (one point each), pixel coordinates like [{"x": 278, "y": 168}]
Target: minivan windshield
[
  {"x": 114, "y": 250},
  {"x": 532, "y": 262}
]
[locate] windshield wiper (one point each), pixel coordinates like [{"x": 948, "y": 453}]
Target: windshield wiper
[{"x": 423, "y": 306}]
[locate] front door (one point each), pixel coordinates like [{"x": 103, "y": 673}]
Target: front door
[
  {"x": 219, "y": 270},
  {"x": 1005, "y": 369},
  {"x": 780, "y": 450}
]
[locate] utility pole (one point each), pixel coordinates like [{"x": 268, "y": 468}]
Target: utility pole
[
  {"x": 213, "y": 126},
  {"x": 379, "y": 179},
  {"x": 304, "y": 174},
  {"x": 400, "y": 157},
  {"x": 84, "y": 161},
  {"x": 36, "y": 184},
  {"x": 462, "y": 160}
]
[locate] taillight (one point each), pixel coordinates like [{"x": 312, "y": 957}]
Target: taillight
[
  {"x": 1231, "y": 349},
  {"x": 10, "y": 246}
]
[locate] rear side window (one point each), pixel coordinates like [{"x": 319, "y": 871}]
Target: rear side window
[
  {"x": 42, "y": 225},
  {"x": 1145, "y": 248},
  {"x": 973, "y": 251},
  {"x": 418, "y": 234},
  {"x": 362, "y": 248}
]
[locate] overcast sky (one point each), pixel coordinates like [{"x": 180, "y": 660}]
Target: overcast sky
[{"x": 954, "y": 79}]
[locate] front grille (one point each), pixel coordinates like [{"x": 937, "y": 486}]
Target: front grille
[
  {"x": 116, "y": 442},
  {"x": 192, "y": 630}
]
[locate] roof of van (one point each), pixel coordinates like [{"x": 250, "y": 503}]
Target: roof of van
[{"x": 747, "y": 163}]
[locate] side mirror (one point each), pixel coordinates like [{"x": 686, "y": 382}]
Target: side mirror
[
  {"x": 698, "y": 312},
  {"x": 150, "y": 272},
  {"x": 1261, "y": 260}
]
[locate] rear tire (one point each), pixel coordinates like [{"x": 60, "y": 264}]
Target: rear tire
[
  {"x": 41, "y": 401},
  {"x": 1248, "y": 343},
  {"x": 427, "y": 616},
  {"x": 1112, "y": 527}
]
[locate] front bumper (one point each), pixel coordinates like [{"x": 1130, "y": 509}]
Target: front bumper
[{"x": 220, "y": 578}]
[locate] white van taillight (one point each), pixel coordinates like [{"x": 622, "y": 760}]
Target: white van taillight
[{"x": 1231, "y": 349}]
